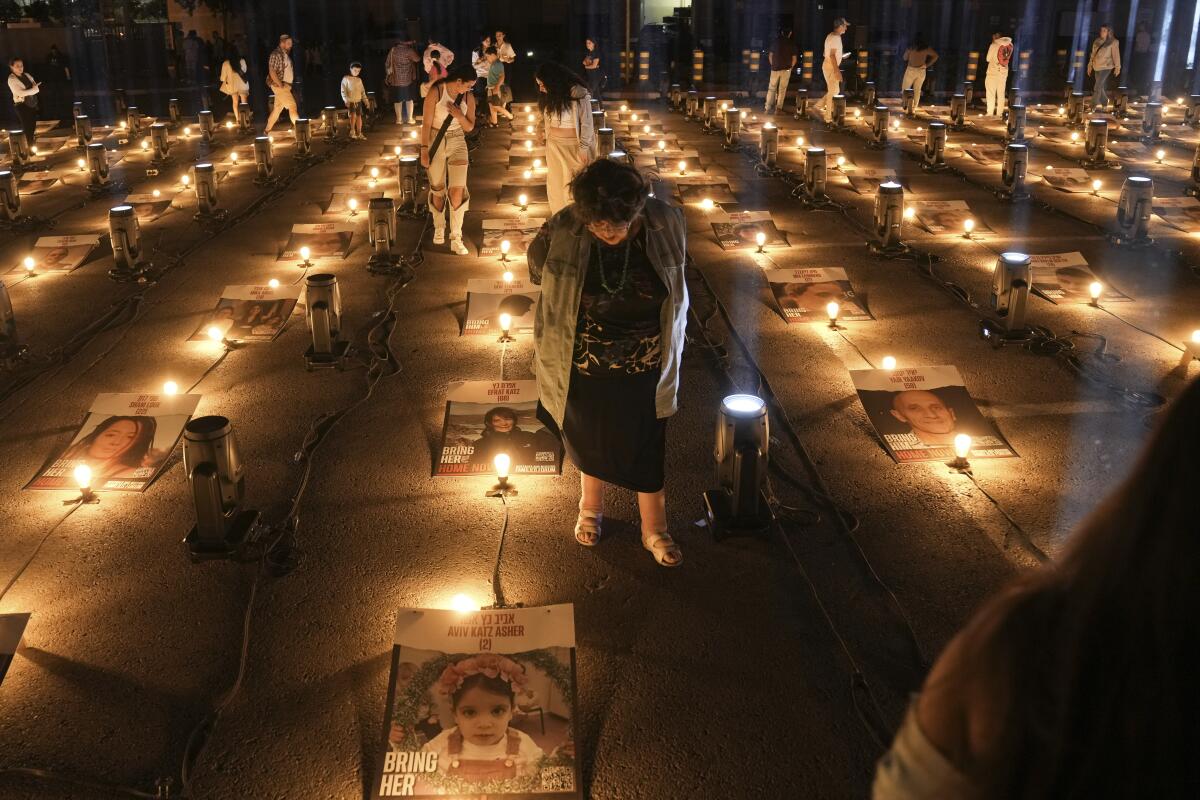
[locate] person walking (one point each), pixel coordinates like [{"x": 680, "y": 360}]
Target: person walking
[
  {"x": 400, "y": 72},
  {"x": 504, "y": 49},
  {"x": 608, "y": 340},
  {"x": 570, "y": 137},
  {"x": 25, "y": 91},
  {"x": 233, "y": 81},
  {"x": 1078, "y": 678},
  {"x": 918, "y": 58},
  {"x": 480, "y": 63},
  {"x": 831, "y": 62},
  {"x": 1105, "y": 61},
  {"x": 782, "y": 58},
  {"x": 449, "y": 116},
  {"x": 591, "y": 68},
  {"x": 354, "y": 94},
  {"x": 280, "y": 76},
  {"x": 995, "y": 82},
  {"x": 499, "y": 94}
]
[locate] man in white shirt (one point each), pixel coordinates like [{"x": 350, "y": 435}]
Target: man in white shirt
[
  {"x": 831, "y": 63},
  {"x": 504, "y": 48},
  {"x": 25, "y": 97},
  {"x": 999, "y": 56}
]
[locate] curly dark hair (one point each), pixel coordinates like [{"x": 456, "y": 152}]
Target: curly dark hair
[{"x": 606, "y": 191}]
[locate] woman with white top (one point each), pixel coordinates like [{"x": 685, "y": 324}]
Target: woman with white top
[
  {"x": 450, "y": 109},
  {"x": 569, "y": 136},
  {"x": 479, "y": 60},
  {"x": 233, "y": 81},
  {"x": 25, "y": 97}
]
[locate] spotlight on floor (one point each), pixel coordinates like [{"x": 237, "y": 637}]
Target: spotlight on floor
[
  {"x": 329, "y": 122},
  {"x": 173, "y": 110},
  {"x": 738, "y": 505},
  {"x": 264, "y": 160},
  {"x": 1151, "y": 121},
  {"x": 691, "y": 105},
  {"x": 1011, "y": 279},
  {"x": 1014, "y": 129},
  {"x": 888, "y": 221},
  {"x": 205, "y": 179},
  {"x": 245, "y": 118},
  {"x": 879, "y": 128},
  {"x": 801, "y": 104},
  {"x": 1191, "y": 114},
  {"x": 1012, "y": 98},
  {"x": 815, "y": 169},
  {"x": 837, "y": 112},
  {"x": 207, "y": 126},
  {"x": 324, "y": 299},
  {"x": 161, "y": 143},
  {"x": 1120, "y": 99},
  {"x": 1194, "y": 189},
  {"x": 1012, "y": 172},
  {"x": 125, "y": 235},
  {"x": 10, "y": 197},
  {"x": 213, "y": 467},
  {"x": 133, "y": 122},
  {"x": 83, "y": 131},
  {"x": 12, "y": 352},
  {"x": 1133, "y": 211},
  {"x": 409, "y": 180},
  {"x": 1075, "y": 110},
  {"x": 1095, "y": 146},
  {"x": 97, "y": 159},
  {"x": 18, "y": 148},
  {"x": 935, "y": 147},
  {"x": 733, "y": 128},
  {"x": 869, "y": 94},
  {"x": 768, "y": 145},
  {"x": 381, "y": 228},
  {"x": 909, "y": 103},
  {"x": 303, "y": 137},
  {"x": 958, "y": 112},
  {"x": 606, "y": 142}
]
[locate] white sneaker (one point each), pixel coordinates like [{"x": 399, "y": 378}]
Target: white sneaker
[
  {"x": 439, "y": 235},
  {"x": 457, "y": 247}
]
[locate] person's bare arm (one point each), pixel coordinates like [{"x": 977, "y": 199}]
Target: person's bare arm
[
  {"x": 429, "y": 107},
  {"x": 932, "y": 58}
]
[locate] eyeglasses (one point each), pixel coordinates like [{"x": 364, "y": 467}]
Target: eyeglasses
[{"x": 603, "y": 228}]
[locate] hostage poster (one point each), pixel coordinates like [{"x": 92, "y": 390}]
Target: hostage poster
[
  {"x": 918, "y": 411},
  {"x": 250, "y": 313},
  {"x": 741, "y": 229},
  {"x": 125, "y": 439},
  {"x": 59, "y": 253},
  {"x": 323, "y": 239},
  {"x": 1068, "y": 179},
  {"x": 518, "y": 231},
  {"x": 339, "y": 199},
  {"x": 481, "y": 704},
  {"x": 945, "y": 216},
  {"x": 488, "y": 298},
  {"x": 1067, "y": 278},
  {"x": 149, "y": 207},
  {"x": 1181, "y": 213},
  {"x": 803, "y": 294},
  {"x": 486, "y": 418},
  {"x": 693, "y": 189}
]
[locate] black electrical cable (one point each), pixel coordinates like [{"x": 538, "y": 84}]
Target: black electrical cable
[
  {"x": 1165, "y": 341},
  {"x": 1022, "y": 537},
  {"x": 224, "y": 353}
]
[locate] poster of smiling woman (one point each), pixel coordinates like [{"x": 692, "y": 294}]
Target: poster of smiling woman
[
  {"x": 918, "y": 411},
  {"x": 480, "y": 704}
]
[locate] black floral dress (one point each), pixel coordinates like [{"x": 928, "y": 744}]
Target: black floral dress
[{"x": 611, "y": 429}]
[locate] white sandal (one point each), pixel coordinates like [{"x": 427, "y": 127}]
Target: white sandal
[
  {"x": 662, "y": 547},
  {"x": 587, "y": 527}
]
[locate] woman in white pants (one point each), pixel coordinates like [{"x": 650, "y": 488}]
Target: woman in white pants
[
  {"x": 570, "y": 137},
  {"x": 449, "y": 105},
  {"x": 918, "y": 58}
]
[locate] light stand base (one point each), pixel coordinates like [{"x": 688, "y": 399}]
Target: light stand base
[
  {"x": 724, "y": 525},
  {"x": 1121, "y": 240},
  {"x": 889, "y": 251},
  {"x": 227, "y": 548},
  {"x": 130, "y": 275},
  {"x": 314, "y": 360},
  {"x": 1012, "y": 196},
  {"x": 1100, "y": 164},
  {"x": 934, "y": 167},
  {"x": 999, "y": 336},
  {"x": 13, "y": 355}
]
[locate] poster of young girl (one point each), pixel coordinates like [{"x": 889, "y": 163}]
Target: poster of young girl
[
  {"x": 125, "y": 440},
  {"x": 481, "y": 704},
  {"x": 486, "y": 418}
]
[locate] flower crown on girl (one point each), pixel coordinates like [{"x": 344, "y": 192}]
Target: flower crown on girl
[{"x": 492, "y": 666}]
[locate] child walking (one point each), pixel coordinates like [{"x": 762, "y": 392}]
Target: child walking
[{"x": 354, "y": 95}]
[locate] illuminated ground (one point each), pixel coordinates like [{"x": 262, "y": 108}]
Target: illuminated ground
[{"x": 720, "y": 679}]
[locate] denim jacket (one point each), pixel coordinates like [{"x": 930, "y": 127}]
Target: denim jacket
[{"x": 558, "y": 259}]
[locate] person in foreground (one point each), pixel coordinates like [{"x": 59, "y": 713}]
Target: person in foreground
[
  {"x": 1078, "y": 680},
  {"x": 608, "y": 338}
]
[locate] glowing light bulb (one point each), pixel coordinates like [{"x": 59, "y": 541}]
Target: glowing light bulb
[
  {"x": 530, "y": 117},
  {"x": 305, "y": 252},
  {"x": 857, "y": 113},
  {"x": 124, "y": 125},
  {"x": 1049, "y": 167},
  {"x": 187, "y": 131},
  {"x": 228, "y": 126},
  {"x": 724, "y": 105},
  {"x": 397, "y": 150},
  {"x": 968, "y": 226},
  {"x": 760, "y": 239},
  {"x": 745, "y": 114},
  {"x": 372, "y": 183},
  {"x": 645, "y": 129},
  {"x": 271, "y": 139},
  {"x": 1196, "y": 337},
  {"x": 273, "y": 283},
  {"x": 1096, "y": 184},
  {"x": 81, "y": 164},
  {"x": 896, "y": 124},
  {"x": 185, "y": 179},
  {"x": 145, "y": 144},
  {"x": 529, "y": 129},
  {"x": 706, "y": 204},
  {"x": 463, "y": 604},
  {"x": 1061, "y": 111},
  {"x": 412, "y": 134},
  {"x": 505, "y": 322},
  {"x": 624, "y": 108},
  {"x": 634, "y": 118},
  {"x": 889, "y": 362},
  {"x": 799, "y": 141},
  {"x": 352, "y": 203},
  {"x": 170, "y": 388},
  {"x": 662, "y": 144},
  {"x": 505, "y": 246},
  {"x": 156, "y": 193},
  {"x": 214, "y": 333},
  {"x": 962, "y": 446},
  {"x": 527, "y": 174},
  {"x": 909, "y": 212},
  {"x": 841, "y": 161},
  {"x": 833, "y": 309},
  {"x": 528, "y": 107},
  {"x": 522, "y": 200},
  {"x": 83, "y": 476},
  {"x": 1160, "y": 154},
  {"x": 507, "y": 277},
  {"x": 528, "y": 144},
  {"x": 537, "y": 163},
  {"x": 502, "y": 462},
  {"x": 34, "y": 149},
  {"x": 374, "y": 172},
  {"x": 1094, "y": 289},
  {"x": 1074, "y": 136},
  {"x": 682, "y": 167},
  {"x": 233, "y": 156},
  {"x": 29, "y": 263}
]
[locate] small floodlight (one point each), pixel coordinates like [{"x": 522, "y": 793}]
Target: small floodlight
[
  {"x": 264, "y": 159},
  {"x": 741, "y": 450},
  {"x": 1133, "y": 210},
  {"x": 1011, "y": 279},
  {"x": 381, "y": 228},
  {"x": 888, "y": 219},
  {"x": 213, "y": 465},
  {"x": 83, "y": 131},
  {"x": 97, "y": 158},
  {"x": 325, "y": 323},
  {"x": 126, "y": 238},
  {"x": 206, "y": 190}
]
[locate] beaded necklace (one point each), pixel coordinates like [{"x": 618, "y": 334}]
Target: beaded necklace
[{"x": 624, "y": 268}]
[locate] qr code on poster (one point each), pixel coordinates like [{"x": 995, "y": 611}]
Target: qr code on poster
[{"x": 557, "y": 779}]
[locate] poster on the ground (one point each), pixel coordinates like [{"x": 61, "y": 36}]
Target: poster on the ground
[
  {"x": 945, "y": 216},
  {"x": 517, "y": 231},
  {"x": 409, "y": 147},
  {"x": 481, "y": 704},
  {"x": 987, "y": 154},
  {"x": 488, "y": 298},
  {"x": 486, "y": 418},
  {"x": 1181, "y": 213},
  {"x": 36, "y": 182},
  {"x": 534, "y": 192},
  {"x": 323, "y": 239},
  {"x": 379, "y": 170},
  {"x": 147, "y": 207},
  {"x": 694, "y": 188},
  {"x": 59, "y": 253},
  {"x": 741, "y": 229},
  {"x": 523, "y": 161},
  {"x": 250, "y": 313},
  {"x": 668, "y": 165},
  {"x": 50, "y": 144},
  {"x": 917, "y": 412},
  {"x": 1068, "y": 179},
  {"x": 125, "y": 439},
  {"x": 803, "y": 294},
  {"x": 1131, "y": 150},
  {"x": 12, "y": 630},
  {"x": 866, "y": 181},
  {"x": 1067, "y": 278},
  {"x": 339, "y": 199},
  {"x": 651, "y": 143}
]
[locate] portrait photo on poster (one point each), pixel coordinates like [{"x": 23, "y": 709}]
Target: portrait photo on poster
[
  {"x": 804, "y": 294},
  {"x": 1067, "y": 278},
  {"x": 534, "y": 192},
  {"x": 59, "y": 253},
  {"x": 917, "y": 412},
  {"x": 941, "y": 217},
  {"x": 741, "y": 229},
  {"x": 518, "y": 232},
  {"x": 323, "y": 239},
  {"x": 693, "y": 189},
  {"x": 1181, "y": 213},
  {"x": 486, "y": 418},
  {"x": 488, "y": 298},
  {"x": 147, "y": 207},
  {"x": 124, "y": 440},
  {"x": 339, "y": 199},
  {"x": 249, "y": 313},
  {"x": 481, "y": 704}
]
